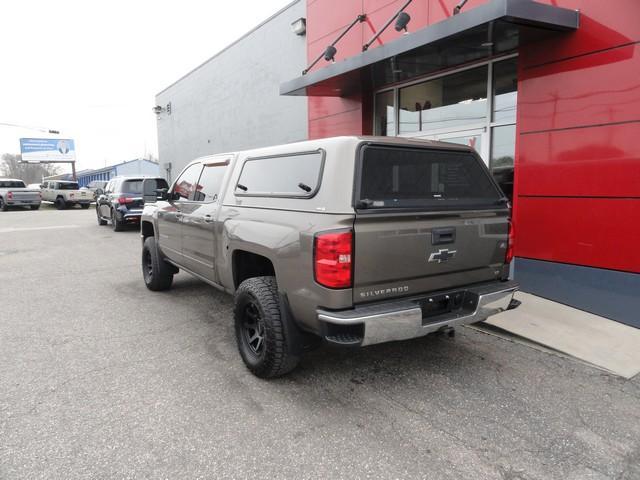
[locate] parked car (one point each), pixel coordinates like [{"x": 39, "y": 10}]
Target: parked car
[
  {"x": 95, "y": 185},
  {"x": 65, "y": 194},
  {"x": 123, "y": 198},
  {"x": 14, "y": 193},
  {"x": 352, "y": 240}
]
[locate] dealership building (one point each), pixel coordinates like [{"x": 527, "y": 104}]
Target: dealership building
[{"x": 546, "y": 91}]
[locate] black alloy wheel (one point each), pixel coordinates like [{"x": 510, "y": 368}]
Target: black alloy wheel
[
  {"x": 253, "y": 328},
  {"x": 157, "y": 274},
  {"x": 261, "y": 330}
]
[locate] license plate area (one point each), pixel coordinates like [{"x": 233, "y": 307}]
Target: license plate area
[{"x": 450, "y": 304}]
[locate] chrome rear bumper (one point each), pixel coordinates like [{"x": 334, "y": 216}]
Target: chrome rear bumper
[{"x": 404, "y": 319}]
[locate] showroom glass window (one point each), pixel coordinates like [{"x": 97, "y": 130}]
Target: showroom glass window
[{"x": 446, "y": 102}]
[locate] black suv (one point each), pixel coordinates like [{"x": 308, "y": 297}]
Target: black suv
[{"x": 122, "y": 200}]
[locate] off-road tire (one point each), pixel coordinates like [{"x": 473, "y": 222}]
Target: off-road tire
[
  {"x": 60, "y": 203},
  {"x": 101, "y": 221},
  {"x": 34, "y": 207},
  {"x": 274, "y": 359},
  {"x": 3, "y": 206},
  {"x": 157, "y": 274},
  {"x": 116, "y": 224},
  {"x": 84, "y": 206}
]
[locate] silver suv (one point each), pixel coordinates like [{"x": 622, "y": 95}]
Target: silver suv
[{"x": 351, "y": 241}]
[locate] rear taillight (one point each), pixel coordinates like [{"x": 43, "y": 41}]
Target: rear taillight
[
  {"x": 122, "y": 200},
  {"x": 332, "y": 259},
  {"x": 9, "y": 195},
  {"x": 510, "y": 244}
]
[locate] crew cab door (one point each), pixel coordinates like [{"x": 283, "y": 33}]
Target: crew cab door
[
  {"x": 199, "y": 218},
  {"x": 426, "y": 219},
  {"x": 46, "y": 191},
  {"x": 170, "y": 213}
]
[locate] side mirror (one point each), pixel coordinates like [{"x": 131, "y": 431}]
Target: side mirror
[
  {"x": 99, "y": 191},
  {"x": 163, "y": 194}
]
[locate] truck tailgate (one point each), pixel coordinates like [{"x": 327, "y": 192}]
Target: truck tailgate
[
  {"x": 25, "y": 195},
  {"x": 399, "y": 255},
  {"x": 426, "y": 219}
]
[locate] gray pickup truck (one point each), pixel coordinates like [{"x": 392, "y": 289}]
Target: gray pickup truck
[
  {"x": 350, "y": 240},
  {"x": 14, "y": 193}
]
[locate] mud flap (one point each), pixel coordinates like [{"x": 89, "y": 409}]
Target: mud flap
[{"x": 298, "y": 341}]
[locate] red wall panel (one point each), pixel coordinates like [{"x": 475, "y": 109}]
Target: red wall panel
[
  {"x": 603, "y": 25},
  {"x": 596, "y": 161},
  {"x": 583, "y": 231},
  {"x": 588, "y": 90}
]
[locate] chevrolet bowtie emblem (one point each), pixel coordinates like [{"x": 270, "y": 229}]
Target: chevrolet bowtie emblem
[{"x": 442, "y": 255}]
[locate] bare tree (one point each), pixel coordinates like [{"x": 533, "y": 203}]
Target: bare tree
[{"x": 10, "y": 166}]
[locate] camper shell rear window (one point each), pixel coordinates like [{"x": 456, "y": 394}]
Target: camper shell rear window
[{"x": 418, "y": 178}]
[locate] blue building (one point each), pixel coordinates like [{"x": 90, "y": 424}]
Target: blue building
[{"x": 138, "y": 166}]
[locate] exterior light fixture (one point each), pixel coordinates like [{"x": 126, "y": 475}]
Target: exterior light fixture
[
  {"x": 157, "y": 109},
  {"x": 401, "y": 24},
  {"x": 299, "y": 26},
  {"x": 330, "y": 54},
  {"x": 402, "y": 21}
]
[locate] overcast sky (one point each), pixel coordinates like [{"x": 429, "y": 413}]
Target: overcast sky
[{"x": 91, "y": 69}]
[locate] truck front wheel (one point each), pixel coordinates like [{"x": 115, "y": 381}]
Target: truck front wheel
[
  {"x": 157, "y": 274},
  {"x": 259, "y": 328}
]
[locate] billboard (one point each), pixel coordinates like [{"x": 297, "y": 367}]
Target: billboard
[{"x": 47, "y": 150}]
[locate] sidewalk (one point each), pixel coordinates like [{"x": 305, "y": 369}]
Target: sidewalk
[{"x": 599, "y": 341}]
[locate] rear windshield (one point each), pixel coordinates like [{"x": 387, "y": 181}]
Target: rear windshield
[
  {"x": 11, "y": 184},
  {"x": 68, "y": 186},
  {"x": 414, "y": 178},
  {"x": 135, "y": 186}
]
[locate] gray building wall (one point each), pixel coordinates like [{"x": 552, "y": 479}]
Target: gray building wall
[{"x": 232, "y": 102}]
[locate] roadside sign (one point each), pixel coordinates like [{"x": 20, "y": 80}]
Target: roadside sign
[{"x": 47, "y": 150}]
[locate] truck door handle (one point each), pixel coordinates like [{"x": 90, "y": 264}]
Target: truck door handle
[
  {"x": 208, "y": 218},
  {"x": 442, "y": 236}
]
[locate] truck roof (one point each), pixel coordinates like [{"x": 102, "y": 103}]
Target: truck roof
[{"x": 341, "y": 141}]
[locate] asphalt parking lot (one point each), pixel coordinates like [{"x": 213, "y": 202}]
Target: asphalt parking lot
[{"x": 100, "y": 378}]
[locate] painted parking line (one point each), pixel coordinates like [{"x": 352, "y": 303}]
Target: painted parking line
[{"x": 33, "y": 229}]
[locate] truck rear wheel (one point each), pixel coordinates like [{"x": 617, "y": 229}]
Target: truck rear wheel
[
  {"x": 35, "y": 207},
  {"x": 3, "y": 206},
  {"x": 259, "y": 328},
  {"x": 157, "y": 274},
  {"x": 84, "y": 206},
  {"x": 60, "y": 203}
]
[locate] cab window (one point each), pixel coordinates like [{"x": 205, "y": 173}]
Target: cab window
[
  {"x": 185, "y": 185},
  {"x": 210, "y": 182}
]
